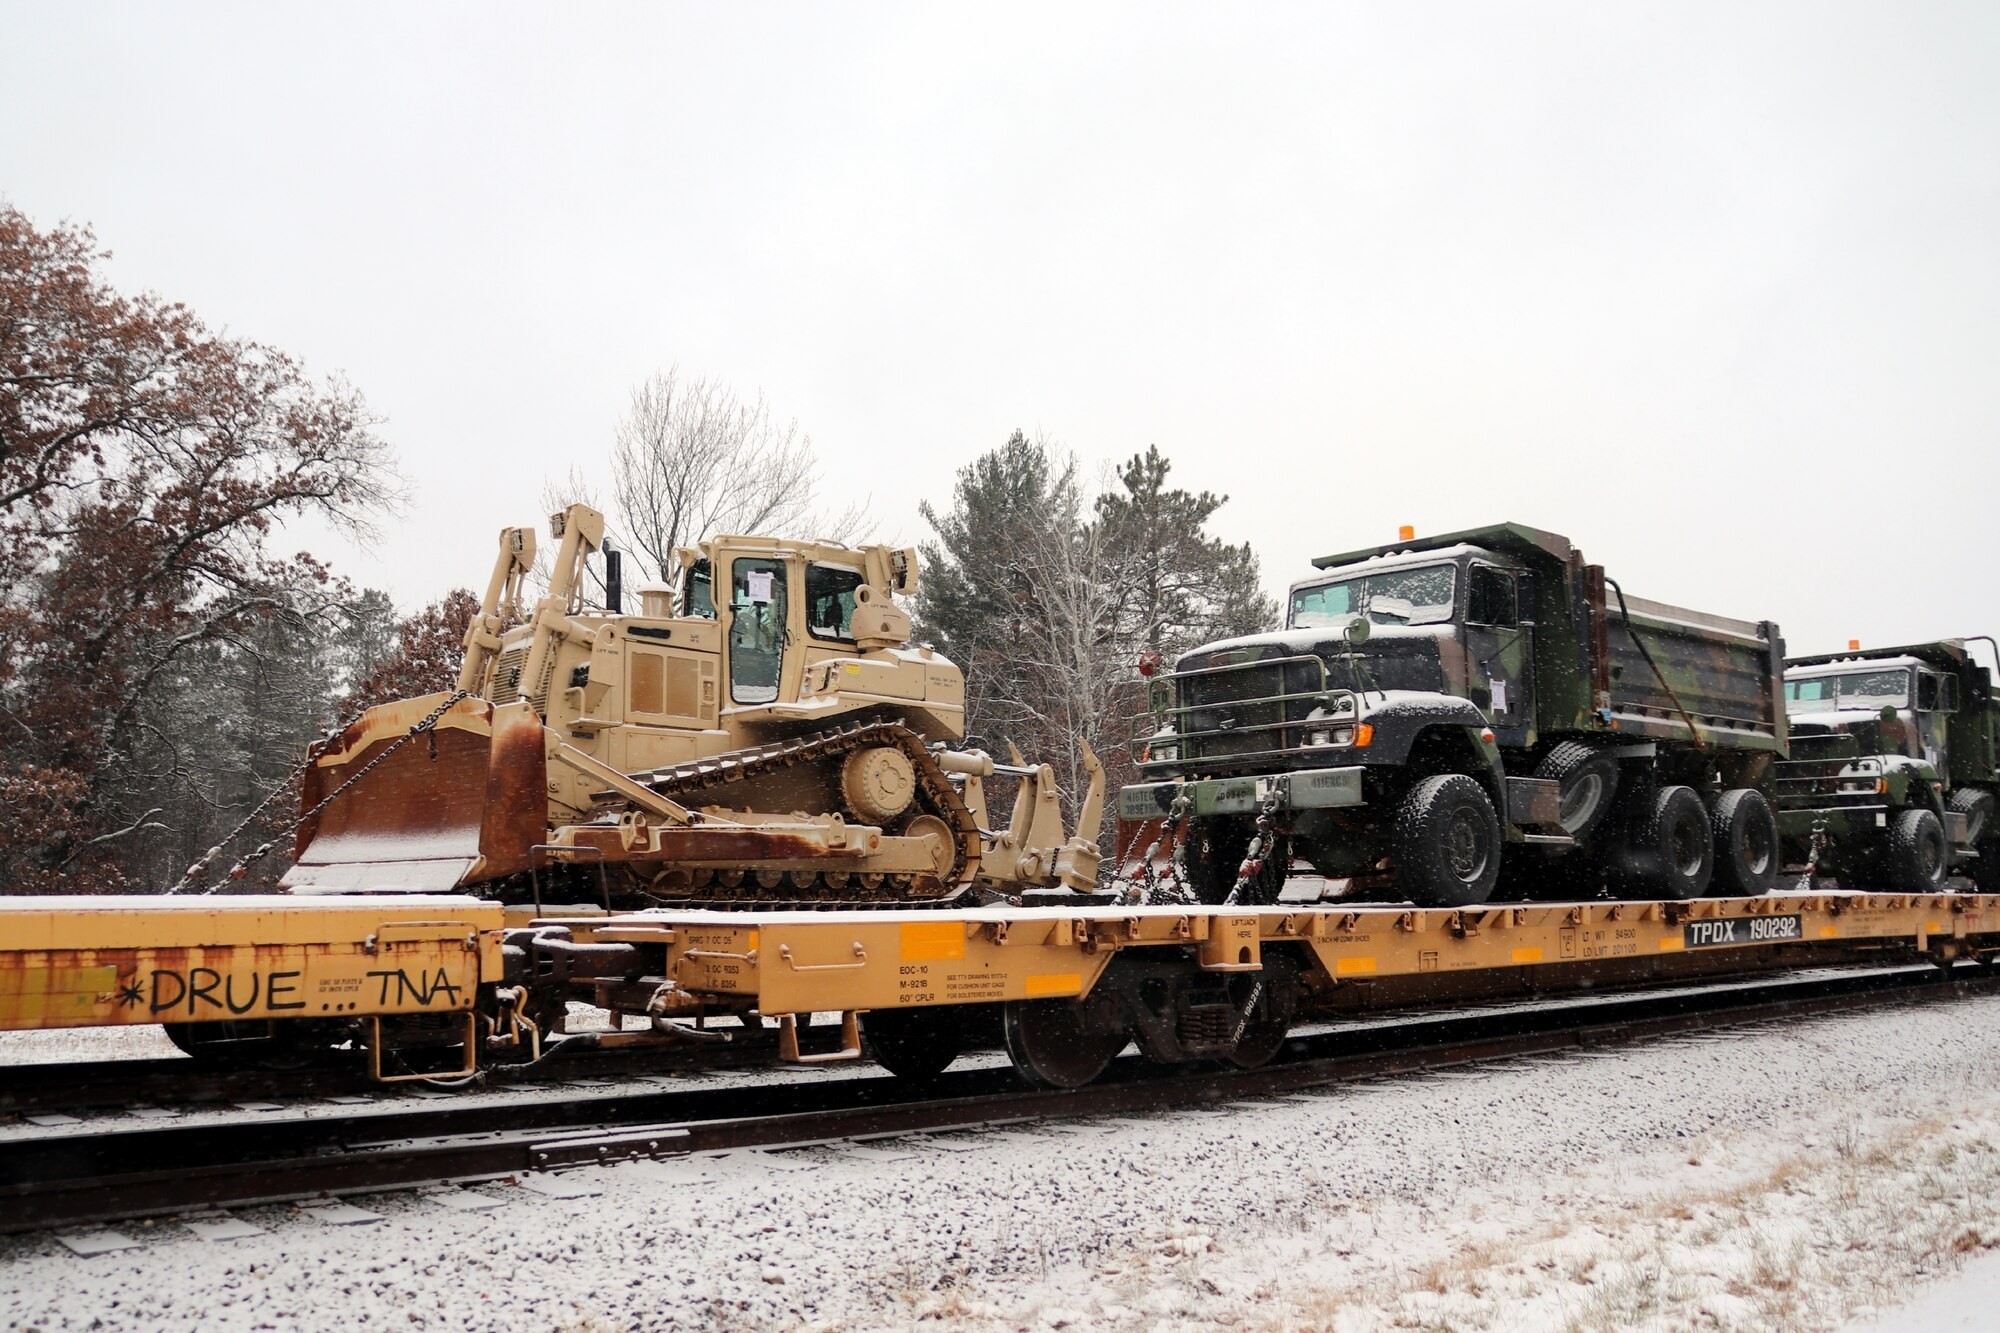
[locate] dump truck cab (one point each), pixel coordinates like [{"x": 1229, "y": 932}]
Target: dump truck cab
[
  {"x": 1479, "y": 681},
  {"x": 1892, "y": 764}
]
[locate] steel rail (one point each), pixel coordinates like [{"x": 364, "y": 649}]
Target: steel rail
[
  {"x": 97, "y": 1177},
  {"x": 77, "y": 1085}
]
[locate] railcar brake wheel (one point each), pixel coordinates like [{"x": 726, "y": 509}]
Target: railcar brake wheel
[{"x": 1059, "y": 1043}]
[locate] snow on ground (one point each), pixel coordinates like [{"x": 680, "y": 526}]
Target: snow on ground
[
  {"x": 1965, "y": 1302},
  {"x": 144, "y": 1041},
  {"x": 1774, "y": 1178}
]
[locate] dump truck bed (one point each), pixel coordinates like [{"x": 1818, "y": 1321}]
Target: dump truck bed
[{"x": 1726, "y": 675}]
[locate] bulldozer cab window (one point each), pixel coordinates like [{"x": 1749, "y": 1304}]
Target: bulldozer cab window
[
  {"x": 757, "y": 635},
  {"x": 698, "y": 591},
  {"x": 830, "y": 601}
]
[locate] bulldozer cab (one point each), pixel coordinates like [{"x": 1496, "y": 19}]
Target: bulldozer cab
[{"x": 786, "y": 606}]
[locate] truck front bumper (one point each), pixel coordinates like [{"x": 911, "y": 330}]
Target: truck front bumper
[{"x": 1307, "y": 789}]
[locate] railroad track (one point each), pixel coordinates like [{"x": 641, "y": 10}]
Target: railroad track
[
  {"x": 66, "y": 1179},
  {"x": 74, "y": 1085}
]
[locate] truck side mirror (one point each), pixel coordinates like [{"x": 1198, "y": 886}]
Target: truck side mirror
[{"x": 1358, "y": 630}]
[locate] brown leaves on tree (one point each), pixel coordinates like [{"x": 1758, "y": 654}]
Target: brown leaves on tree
[
  {"x": 146, "y": 463},
  {"x": 429, "y": 649}
]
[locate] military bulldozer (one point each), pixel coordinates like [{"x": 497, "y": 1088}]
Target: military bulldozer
[{"x": 764, "y": 735}]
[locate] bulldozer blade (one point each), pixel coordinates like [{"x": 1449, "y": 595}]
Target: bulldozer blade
[{"x": 458, "y": 804}]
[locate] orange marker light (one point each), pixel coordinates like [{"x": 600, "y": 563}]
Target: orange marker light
[
  {"x": 1364, "y": 736},
  {"x": 1406, "y": 533},
  {"x": 1854, "y": 645}
]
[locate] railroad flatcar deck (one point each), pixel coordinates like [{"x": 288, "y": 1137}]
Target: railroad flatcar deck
[
  {"x": 801, "y": 962},
  {"x": 434, "y": 986}
]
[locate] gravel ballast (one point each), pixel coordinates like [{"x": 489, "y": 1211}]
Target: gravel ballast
[{"x": 1397, "y": 1203}]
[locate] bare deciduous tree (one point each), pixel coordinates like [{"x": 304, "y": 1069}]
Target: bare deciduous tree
[{"x": 691, "y": 459}]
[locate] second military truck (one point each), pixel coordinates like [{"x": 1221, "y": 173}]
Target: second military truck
[
  {"x": 1442, "y": 710},
  {"x": 1892, "y": 776}
]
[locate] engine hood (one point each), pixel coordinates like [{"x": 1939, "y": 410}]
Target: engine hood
[
  {"x": 1324, "y": 642},
  {"x": 1839, "y": 720}
]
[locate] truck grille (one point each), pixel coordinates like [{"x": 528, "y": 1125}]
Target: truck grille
[{"x": 1241, "y": 711}]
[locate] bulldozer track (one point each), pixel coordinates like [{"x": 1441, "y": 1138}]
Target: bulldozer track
[{"x": 707, "y": 781}]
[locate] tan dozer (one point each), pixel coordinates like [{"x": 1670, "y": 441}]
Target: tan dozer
[{"x": 777, "y": 741}]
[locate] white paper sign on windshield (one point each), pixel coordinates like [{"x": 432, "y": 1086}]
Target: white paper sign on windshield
[
  {"x": 1499, "y": 696},
  {"x": 760, "y": 585}
]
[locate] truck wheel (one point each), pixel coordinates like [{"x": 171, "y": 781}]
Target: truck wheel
[
  {"x": 1210, "y": 855},
  {"x": 1447, "y": 842},
  {"x": 1916, "y": 857},
  {"x": 1672, "y": 853},
  {"x": 1986, "y": 870},
  {"x": 1977, "y": 807},
  {"x": 1589, "y": 781},
  {"x": 1746, "y": 845}
]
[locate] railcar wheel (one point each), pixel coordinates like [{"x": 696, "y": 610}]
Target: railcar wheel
[
  {"x": 1746, "y": 845},
  {"x": 1271, "y": 1018},
  {"x": 912, "y": 1044},
  {"x": 1059, "y": 1043},
  {"x": 242, "y": 1045},
  {"x": 1916, "y": 856}
]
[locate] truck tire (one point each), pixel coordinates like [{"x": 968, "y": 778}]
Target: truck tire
[
  {"x": 1447, "y": 842},
  {"x": 1210, "y": 855},
  {"x": 1916, "y": 857},
  {"x": 1538, "y": 875},
  {"x": 1986, "y": 870},
  {"x": 1671, "y": 852},
  {"x": 1589, "y": 782},
  {"x": 1977, "y": 807},
  {"x": 1746, "y": 845}
]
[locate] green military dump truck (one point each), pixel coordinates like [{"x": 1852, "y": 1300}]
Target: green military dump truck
[
  {"x": 1892, "y": 766},
  {"x": 1442, "y": 710}
]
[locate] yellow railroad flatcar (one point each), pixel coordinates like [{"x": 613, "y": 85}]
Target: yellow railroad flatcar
[{"x": 241, "y": 969}]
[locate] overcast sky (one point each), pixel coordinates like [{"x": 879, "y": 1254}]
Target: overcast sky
[{"x": 1714, "y": 290}]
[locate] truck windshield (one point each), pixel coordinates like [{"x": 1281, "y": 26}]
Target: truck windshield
[
  {"x": 1866, "y": 690},
  {"x": 1421, "y": 596}
]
